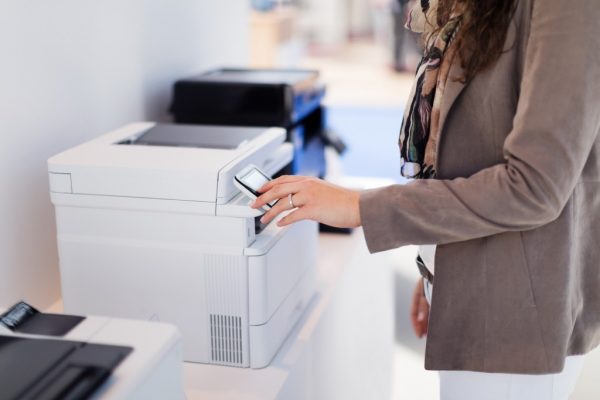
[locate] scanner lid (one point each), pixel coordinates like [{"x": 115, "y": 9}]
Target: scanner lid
[
  {"x": 204, "y": 137},
  {"x": 164, "y": 161}
]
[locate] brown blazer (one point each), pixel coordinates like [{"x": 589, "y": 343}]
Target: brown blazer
[{"x": 516, "y": 208}]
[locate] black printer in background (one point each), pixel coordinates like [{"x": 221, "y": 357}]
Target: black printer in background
[{"x": 290, "y": 98}]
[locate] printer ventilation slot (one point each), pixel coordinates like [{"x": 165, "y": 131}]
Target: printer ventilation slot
[{"x": 226, "y": 339}]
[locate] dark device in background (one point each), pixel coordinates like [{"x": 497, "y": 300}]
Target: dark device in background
[
  {"x": 290, "y": 99},
  {"x": 286, "y": 98}
]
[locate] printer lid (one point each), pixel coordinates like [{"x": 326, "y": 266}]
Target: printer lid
[
  {"x": 164, "y": 161},
  {"x": 191, "y": 136}
]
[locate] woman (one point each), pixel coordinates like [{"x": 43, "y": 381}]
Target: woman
[{"x": 501, "y": 133}]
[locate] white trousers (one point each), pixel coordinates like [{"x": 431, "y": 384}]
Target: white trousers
[{"x": 467, "y": 385}]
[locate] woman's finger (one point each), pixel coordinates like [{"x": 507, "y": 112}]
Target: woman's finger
[
  {"x": 295, "y": 216},
  {"x": 423, "y": 309},
  {"x": 414, "y": 303},
  {"x": 423, "y": 315},
  {"x": 299, "y": 199},
  {"x": 282, "y": 179},
  {"x": 416, "y": 309},
  {"x": 281, "y": 206},
  {"x": 277, "y": 192}
]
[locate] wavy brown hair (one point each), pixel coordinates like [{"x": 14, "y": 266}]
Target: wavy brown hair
[{"x": 481, "y": 37}]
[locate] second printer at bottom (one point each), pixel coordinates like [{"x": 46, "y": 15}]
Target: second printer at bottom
[{"x": 151, "y": 226}]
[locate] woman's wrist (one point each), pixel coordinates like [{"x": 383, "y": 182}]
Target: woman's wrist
[{"x": 354, "y": 196}]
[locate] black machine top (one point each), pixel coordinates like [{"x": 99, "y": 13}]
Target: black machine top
[
  {"x": 247, "y": 97},
  {"x": 44, "y": 369},
  {"x": 292, "y": 77}
]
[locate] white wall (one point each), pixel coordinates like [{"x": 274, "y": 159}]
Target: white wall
[
  {"x": 71, "y": 70},
  {"x": 327, "y": 22}
]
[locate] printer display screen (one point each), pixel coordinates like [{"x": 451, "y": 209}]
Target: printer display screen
[{"x": 254, "y": 180}]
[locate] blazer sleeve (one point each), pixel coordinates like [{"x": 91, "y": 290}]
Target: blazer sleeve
[{"x": 554, "y": 129}]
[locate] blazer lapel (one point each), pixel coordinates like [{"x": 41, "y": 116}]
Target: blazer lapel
[{"x": 453, "y": 88}]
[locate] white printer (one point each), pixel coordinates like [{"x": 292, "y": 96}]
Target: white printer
[{"x": 151, "y": 226}]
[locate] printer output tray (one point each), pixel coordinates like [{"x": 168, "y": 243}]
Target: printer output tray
[{"x": 54, "y": 369}]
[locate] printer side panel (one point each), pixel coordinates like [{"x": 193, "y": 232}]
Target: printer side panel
[
  {"x": 226, "y": 288},
  {"x": 162, "y": 266}
]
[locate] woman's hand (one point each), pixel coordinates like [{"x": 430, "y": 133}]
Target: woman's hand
[
  {"x": 419, "y": 311},
  {"x": 313, "y": 198}
]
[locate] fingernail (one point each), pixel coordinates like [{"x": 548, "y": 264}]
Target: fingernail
[
  {"x": 420, "y": 316},
  {"x": 262, "y": 220}
]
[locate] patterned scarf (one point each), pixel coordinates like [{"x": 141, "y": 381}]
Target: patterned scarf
[{"x": 420, "y": 130}]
